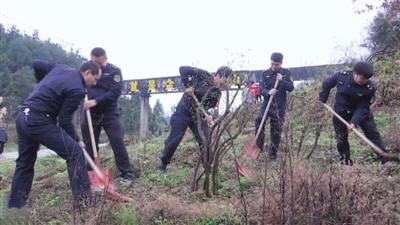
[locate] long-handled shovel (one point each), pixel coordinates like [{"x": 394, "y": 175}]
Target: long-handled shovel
[
  {"x": 105, "y": 180},
  {"x": 374, "y": 147},
  {"x": 242, "y": 170},
  {"x": 102, "y": 180},
  {"x": 251, "y": 149}
]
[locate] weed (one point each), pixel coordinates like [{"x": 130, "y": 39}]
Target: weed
[{"x": 125, "y": 216}]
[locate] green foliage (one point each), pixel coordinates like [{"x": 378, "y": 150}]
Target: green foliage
[
  {"x": 17, "y": 51},
  {"x": 212, "y": 221},
  {"x": 385, "y": 28},
  {"x": 130, "y": 113},
  {"x": 131, "y": 116},
  {"x": 125, "y": 216},
  {"x": 224, "y": 220},
  {"x": 52, "y": 199},
  {"x": 158, "y": 123},
  {"x": 178, "y": 176},
  {"x": 387, "y": 72},
  {"x": 228, "y": 217}
]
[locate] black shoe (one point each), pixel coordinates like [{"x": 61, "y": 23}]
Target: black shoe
[
  {"x": 272, "y": 156},
  {"x": 346, "y": 162},
  {"x": 128, "y": 178},
  {"x": 162, "y": 168}
]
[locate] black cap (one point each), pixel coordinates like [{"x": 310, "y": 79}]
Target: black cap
[
  {"x": 41, "y": 69},
  {"x": 364, "y": 68},
  {"x": 277, "y": 57},
  {"x": 225, "y": 71}
]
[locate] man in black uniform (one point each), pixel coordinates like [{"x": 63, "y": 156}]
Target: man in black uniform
[
  {"x": 354, "y": 94},
  {"x": 276, "y": 112},
  {"x": 103, "y": 105},
  {"x": 207, "y": 89},
  {"x": 58, "y": 95}
]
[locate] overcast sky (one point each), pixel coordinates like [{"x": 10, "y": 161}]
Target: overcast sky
[{"x": 152, "y": 38}]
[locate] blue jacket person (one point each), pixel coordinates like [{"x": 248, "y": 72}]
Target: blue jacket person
[{"x": 53, "y": 100}]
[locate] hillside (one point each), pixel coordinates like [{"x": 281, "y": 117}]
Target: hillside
[{"x": 305, "y": 186}]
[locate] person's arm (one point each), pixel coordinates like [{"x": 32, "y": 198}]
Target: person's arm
[
  {"x": 67, "y": 110},
  {"x": 287, "y": 82},
  {"x": 362, "y": 110},
  {"x": 263, "y": 88},
  {"x": 327, "y": 85},
  {"x": 114, "y": 91}
]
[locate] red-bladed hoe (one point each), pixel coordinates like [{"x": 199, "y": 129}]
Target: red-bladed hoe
[{"x": 100, "y": 178}]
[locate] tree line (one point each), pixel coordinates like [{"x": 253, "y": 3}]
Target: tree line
[{"x": 18, "y": 50}]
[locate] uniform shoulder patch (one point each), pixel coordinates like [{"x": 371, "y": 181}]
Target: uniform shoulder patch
[
  {"x": 114, "y": 67},
  {"x": 117, "y": 78}
]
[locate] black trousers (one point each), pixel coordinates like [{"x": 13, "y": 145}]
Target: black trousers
[
  {"x": 276, "y": 117},
  {"x": 112, "y": 125},
  {"x": 34, "y": 129},
  {"x": 180, "y": 121},
  {"x": 3, "y": 139},
  {"x": 1, "y": 147},
  {"x": 368, "y": 126}
]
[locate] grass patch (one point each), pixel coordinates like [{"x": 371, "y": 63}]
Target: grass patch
[
  {"x": 227, "y": 218},
  {"x": 125, "y": 216},
  {"x": 10, "y": 147},
  {"x": 178, "y": 176},
  {"x": 49, "y": 166},
  {"x": 51, "y": 199},
  {"x": 7, "y": 167}
]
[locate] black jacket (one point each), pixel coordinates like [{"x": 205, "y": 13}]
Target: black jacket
[
  {"x": 285, "y": 85},
  {"x": 351, "y": 98},
  {"x": 107, "y": 90},
  {"x": 201, "y": 81},
  {"x": 58, "y": 95}
]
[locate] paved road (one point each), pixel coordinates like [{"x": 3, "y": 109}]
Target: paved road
[{"x": 42, "y": 152}]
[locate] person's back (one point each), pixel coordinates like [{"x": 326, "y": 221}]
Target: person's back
[
  {"x": 201, "y": 81},
  {"x": 49, "y": 95}
]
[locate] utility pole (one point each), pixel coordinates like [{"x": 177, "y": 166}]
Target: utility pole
[{"x": 144, "y": 115}]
